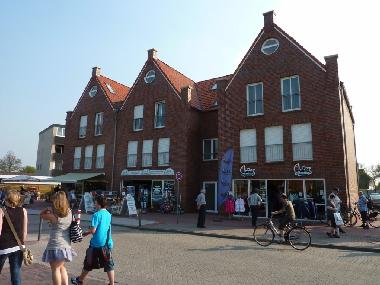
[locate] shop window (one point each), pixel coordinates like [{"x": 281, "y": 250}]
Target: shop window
[
  {"x": 274, "y": 144},
  {"x": 132, "y": 154},
  {"x": 302, "y": 142},
  {"x": 82, "y": 126},
  {"x": 290, "y": 90},
  {"x": 88, "y": 157},
  {"x": 138, "y": 117},
  {"x": 100, "y": 156},
  {"x": 210, "y": 149},
  {"x": 260, "y": 185},
  {"x": 248, "y": 146},
  {"x": 77, "y": 157},
  {"x": 241, "y": 190},
  {"x": 255, "y": 99},
  {"x": 316, "y": 194}
]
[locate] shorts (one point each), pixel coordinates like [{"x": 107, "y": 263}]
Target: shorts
[{"x": 98, "y": 257}]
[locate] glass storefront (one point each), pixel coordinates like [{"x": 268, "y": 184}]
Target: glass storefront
[{"x": 307, "y": 195}]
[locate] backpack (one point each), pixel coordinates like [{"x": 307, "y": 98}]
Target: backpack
[{"x": 76, "y": 233}]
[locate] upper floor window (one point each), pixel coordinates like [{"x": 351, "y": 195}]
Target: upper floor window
[
  {"x": 77, "y": 156},
  {"x": 270, "y": 46},
  {"x": 132, "y": 154},
  {"x": 59, "y": 148},
  {"x": 88, "y": 157},
  {"x": 290, "y": 90},
  {"x": 138, "y": 117},
  {"x": 93, "y": 91},
  {"x": 60, "y": 132},
  {"x": 302, "y": 142},
  {"x": 255, "y": 99},
  {"x": 147, "y": 153},
  {"x": 210, "y": 149},
  {"x": 248, "y": 151},
  {"x": 159, "y": 117},
  {"x": 163, "y": 151},
  {"x": 100, "y": 156},
  {"x": 274, "y": 149},
  {"x": 83, "y": 126},
  {"x": 98, "y": 124}
]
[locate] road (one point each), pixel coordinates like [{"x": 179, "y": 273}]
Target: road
[{"x": 151, "y": 258}]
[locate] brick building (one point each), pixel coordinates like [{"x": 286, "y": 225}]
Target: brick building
[{"x": 283, "y": 114}]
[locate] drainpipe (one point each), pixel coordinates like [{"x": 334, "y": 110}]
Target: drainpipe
[{"x": 115, "y": 117}]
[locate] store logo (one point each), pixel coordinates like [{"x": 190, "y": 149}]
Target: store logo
[
  {"x": 247, "y": 172},
  {"x": 302, "y": 170}
]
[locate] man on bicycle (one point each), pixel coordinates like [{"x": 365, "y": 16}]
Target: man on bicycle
[{"x": 287, "y": 214}]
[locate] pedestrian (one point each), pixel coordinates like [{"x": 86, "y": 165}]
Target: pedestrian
[
  {"x": 99, "y": 253},
  {"x": 201, "y": 206},
  {"x": 338, "y": 204},
  {"x": 9, "y": 247},
  {"x": 58, "y": 250},
  {"x": 363, "y": 209},
  {"x": 72, "y": 198},
  {"x": 331, "y": 209},
  {"x": 254, "y": 202}
]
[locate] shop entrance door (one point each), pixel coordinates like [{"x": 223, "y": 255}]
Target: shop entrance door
[
  {"x": 211, "y": 196},
  {"x": 275, "y": 188}
]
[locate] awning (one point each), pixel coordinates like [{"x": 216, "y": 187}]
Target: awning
[{"x": 75, "y": 177}]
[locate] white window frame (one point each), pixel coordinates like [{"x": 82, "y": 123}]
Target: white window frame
[
  {"x": 254, "y": 145},
  {"x": 291, "y": 94},
  {"x": 138, "y": 118},
  {"x": 100, "y": 159},
  {"x": 163, "y": 156},
  {"x": 61, "y": 132},
  {"x": 147, "y": 157},
  {"x": 262, "y": 88},
  {"x": 155, "y": 114},
  {"x": 77, "y": 157},
  {"x": 274, "y": 144},
  {"x": 305, "y": 142},
  {"x": 87, "y": 158},
  {"x": 213, "y": 156},
  {"x": 216, "y": 195},
  {"x": 99, "y": 126},
  {"x": 129, "y": 154},
  {"x": 83, "y": 127}
]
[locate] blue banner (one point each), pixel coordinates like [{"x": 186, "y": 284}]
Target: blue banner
[{"x": 225, "y": 175}]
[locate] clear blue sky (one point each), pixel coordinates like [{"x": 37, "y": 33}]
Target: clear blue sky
[{"x": 48, "y": 48}]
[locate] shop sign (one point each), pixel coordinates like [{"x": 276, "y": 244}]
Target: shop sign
[
  {"x": 302, "y": 170},
  {"x": 131, "y": 204},
  {"x": 89, "y": 205},
  {"x": 168, "y": 171},
  {"x": 247, "y": 172}
]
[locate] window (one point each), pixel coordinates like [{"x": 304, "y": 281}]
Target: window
[
  {"x": 163, "y": 151},
  {"x": 147, "y": 153},
  {"x": 248, "y": 146},
  {"x": 59, "y": 148},
  {"x": 150, "y": 76},
  {"x": 302, "y": 142},
  {"x": 274, "y": 144},
  {"x": 83, "y": 126},
  {"x": 88, "y": 157},
  {"x": 138, "y": 115},
  {"x": 93, "y": 91},
  {"x": 159, "y": 117},
  {"x": 58, "y": 165},
  {"x": 132, "y": 154},
  {"x": 291, "y": 98},
  {"x": 60, "y": 132},
  {"x": 270, "y": 46},
  {"x": 210, "y": 149},
  {"x": 110, "y": 88},
  {"x": 98, "y": 124},
  {"x": 255, "y": 99},
  {"x": 100, "y": 156},
  {"x": 77, "y": 156}
]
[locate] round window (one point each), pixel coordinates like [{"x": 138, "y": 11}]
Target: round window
[
  {"x": 269, "y": 46},
  {"x": 150, "y": 76},
  {"x": 93, "y": 91}
]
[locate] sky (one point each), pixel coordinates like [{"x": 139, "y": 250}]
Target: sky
[{"x": 48, "y": 48}]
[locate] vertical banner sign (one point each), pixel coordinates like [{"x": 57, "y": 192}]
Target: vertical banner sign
[{"x": 225, "y": 175}]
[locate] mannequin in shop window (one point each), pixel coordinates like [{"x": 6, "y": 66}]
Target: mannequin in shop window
[
  {"x": 239, "y": 205},
  {"x": 229, "y": 205}
]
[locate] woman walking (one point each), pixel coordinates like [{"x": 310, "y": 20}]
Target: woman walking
[
  {"x": 58, "y": 250},
  {"x": 331, "y": 209},
  {"x": 9, "y": 247}
]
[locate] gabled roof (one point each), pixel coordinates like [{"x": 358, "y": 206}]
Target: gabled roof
[
  {"x": 207, "y": 94},
  {"x": 120, "y": 90}
]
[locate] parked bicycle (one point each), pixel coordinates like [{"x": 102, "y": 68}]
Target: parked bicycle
[
  {"x": 297, "y": 236},
  {"x": 351, "y": 217}
]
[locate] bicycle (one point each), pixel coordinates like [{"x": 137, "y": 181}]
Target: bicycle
[
  {"x": 350, "y": 217},
  {"x": 297, "y": 236}
]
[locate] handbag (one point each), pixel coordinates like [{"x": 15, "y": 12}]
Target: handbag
[
  {"x": 76, "y": 233},
  {"x": 26, "y": 252},
  {"x": 338, "y": 219}
]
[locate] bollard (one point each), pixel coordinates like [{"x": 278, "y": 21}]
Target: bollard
[
  {"x": 139, "y": 216},
  {"x": 40, "y": 229}
]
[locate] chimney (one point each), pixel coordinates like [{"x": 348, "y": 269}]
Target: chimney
[
  {"x": 95, "y": 71},
  {"x": 152, "y": 53},
  {"x": 268, "y": 20},
  {"x": 332, "y": 69},
  {"x": 186, "y": 92}
]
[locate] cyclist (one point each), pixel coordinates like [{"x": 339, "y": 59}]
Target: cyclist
[{"x": 287, "y": 215}]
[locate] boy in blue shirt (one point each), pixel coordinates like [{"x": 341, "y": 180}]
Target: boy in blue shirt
[{"x": 99, "y": 254}]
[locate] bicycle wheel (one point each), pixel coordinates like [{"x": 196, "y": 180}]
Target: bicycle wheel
[
  {"x": 299, "y": 238},
  {"x": 372, "y": 219},
  {"x": 263, "y": 235}
]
